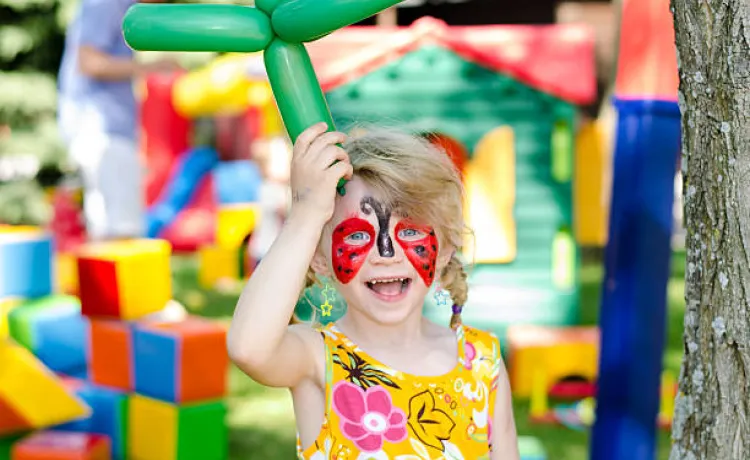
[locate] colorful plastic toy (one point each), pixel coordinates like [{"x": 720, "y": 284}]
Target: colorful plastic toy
[
  {"x": 505, "y": 101},
  {"x": 180, "y": 362},
  {"x": 158, "y": 430},
  {"x": 124, "y": 279},
  {"x": 25, "y": 262},
  {"x": 61, "y": 445},
  {"x": 110, "y": 350},
  {"x": 53, "y": 329},
  {"x": 6, "y": 306},
  {"x": 559, "y": 352},
  {"x": 31, "y": 396},
  {"x": 278, "y": 28}
]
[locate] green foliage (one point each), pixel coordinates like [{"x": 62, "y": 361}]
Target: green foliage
[{"x": 32, "y": 34}]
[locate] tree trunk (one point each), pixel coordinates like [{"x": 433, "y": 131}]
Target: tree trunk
[{"x": 712, "y": 413}]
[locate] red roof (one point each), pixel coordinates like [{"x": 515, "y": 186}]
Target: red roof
[
  {"x": 647, "y": 62},
  {"x": 557, "y": 59}
]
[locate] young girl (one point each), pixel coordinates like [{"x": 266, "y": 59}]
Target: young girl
[{"x": 383, "y": 382}]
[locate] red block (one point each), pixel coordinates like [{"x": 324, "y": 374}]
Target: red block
[
  {"x": 98, "y": 288},
  {"x": 57, "y": 445},
  {"x": 110, "y": 354}
]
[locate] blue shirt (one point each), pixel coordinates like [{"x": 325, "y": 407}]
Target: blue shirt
[{"x": 99, "y": 25}]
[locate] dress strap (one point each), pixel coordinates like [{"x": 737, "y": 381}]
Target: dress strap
[{"x": 329, "y": 343}]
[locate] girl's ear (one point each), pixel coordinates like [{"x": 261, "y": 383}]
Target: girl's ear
[{"x": 319, "y": 264}]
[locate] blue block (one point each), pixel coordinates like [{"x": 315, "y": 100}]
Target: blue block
[
  {"x": 155, "y": 368},
  {"x": 109, "y": 416},
  {"x": 237, "y": 182},
  {"x": 53, "y": 329},
  {"x": 25, "y": 264}
]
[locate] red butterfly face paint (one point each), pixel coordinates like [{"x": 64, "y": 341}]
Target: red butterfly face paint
[
  {"x": 420, "y": 245},
  {"x": 351, "y": 242}
]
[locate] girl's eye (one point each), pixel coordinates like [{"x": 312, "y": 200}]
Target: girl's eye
[
  {"x": 358, "y": 238},
  {"x": 410, "y": 234}
]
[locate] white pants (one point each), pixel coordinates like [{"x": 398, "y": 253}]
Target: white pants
[{"x": 113, "y": 200}]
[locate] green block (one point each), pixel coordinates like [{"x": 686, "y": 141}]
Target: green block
[
  {"x": 21, "y": 319},
  {"x": 202, "y": 432}
]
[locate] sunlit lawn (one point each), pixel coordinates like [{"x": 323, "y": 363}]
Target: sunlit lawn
[{"x": 261, "y": 421}]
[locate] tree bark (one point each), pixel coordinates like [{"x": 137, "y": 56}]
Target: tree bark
[{"x": 712, "y": 412}]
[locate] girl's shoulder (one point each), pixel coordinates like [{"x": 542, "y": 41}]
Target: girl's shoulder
[{"x": 476, "y": 335}]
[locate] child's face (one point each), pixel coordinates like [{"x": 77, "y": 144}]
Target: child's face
[{"x": 383, "y": 264}]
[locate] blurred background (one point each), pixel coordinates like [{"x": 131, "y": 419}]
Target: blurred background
[{"x": 518, "y": 93}]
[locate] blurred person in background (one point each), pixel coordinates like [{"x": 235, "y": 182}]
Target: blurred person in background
[{"x": 98, "y": 117}]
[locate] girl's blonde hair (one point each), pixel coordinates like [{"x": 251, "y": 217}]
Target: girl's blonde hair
[{"x": 419, "y": 181}]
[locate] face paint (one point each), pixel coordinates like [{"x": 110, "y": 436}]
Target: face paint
[
  {"x": 421, "y": 251},
  {"x": 348, "y": 253},
  {"x": 383, "y": 213}
]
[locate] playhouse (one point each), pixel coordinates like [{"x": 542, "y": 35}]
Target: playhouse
[{"x": 503, "y": 101}]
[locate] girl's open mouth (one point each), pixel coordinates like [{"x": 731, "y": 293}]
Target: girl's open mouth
[{"x": 389, "y": 289}]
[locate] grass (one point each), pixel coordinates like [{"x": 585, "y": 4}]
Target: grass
[{"x": 261, "y": 420}]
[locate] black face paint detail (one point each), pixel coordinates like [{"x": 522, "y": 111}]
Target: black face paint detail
[
  {"x": 420, "y": 250},
  {"x": 383, "y": 213}
]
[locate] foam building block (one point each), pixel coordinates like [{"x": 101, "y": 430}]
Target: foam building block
[
  {"x": 25, "y": 262},
  {"x": 124, "y": 279},
  {"x": 109, "y": 415},
  {"x": 237, "y": 182},
  {"x": 6, "y": 306},
  {"x": 110, "y": 353},
  {"x": 561, "y": 351},
  {"x": 55, "y": 445},
  {"x": 158, "y": 430},
  {"x": 180, "y": 362},
  {"x": 31, "y": 396},
  {"x": 235, "y": 223},
  {"x": 66, "y": 273},
  {"x": 53, "y": 329},
  {"x": 217, "y": 263}
]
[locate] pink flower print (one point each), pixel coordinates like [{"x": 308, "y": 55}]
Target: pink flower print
[
  {"x": 368, "y": 416},
  {"x": 469, "y": 354}
]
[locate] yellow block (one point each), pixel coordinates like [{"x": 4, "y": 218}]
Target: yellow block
[
  {"x": 591, "y": 201},
  {"x": 33, "y": 391},
  {"x": 490, "y": 183},
  {"x": 539, "y": 399},
  {"x": 144, "y": 278},
  {"x": 562, "y": 352},
  {"x": 217, "y": 263},
  {"x": 152, "y": 429},
  {"x": 6, "y": 305},
  {"x": 235, "y": 223},
  {"x": 66, "y": 273}
]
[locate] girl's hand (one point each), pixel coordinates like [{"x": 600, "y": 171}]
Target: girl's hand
[{"x": 314, "y": 175}]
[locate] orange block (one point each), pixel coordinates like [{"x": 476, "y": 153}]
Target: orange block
[
  {"x": 110, "y": 354},
  {"x": 58, "y": 445}
]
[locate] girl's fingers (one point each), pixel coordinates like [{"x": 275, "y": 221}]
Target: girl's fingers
[
  {"x": 331, "y": 155},
  {"x": 324, "y": 141},
  {"x": 339, "y": 170},
  {"x": 308, "y": 136}
]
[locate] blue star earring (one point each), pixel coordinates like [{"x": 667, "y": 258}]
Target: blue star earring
[{"x": 441, "y": 296}]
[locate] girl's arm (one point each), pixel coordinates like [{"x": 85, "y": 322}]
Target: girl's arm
[
  {"x": 259, "y": 341},
  {"x": 504, "y": 438}
]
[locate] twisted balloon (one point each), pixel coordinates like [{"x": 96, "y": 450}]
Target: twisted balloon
[{"x": 279, "y": 28}]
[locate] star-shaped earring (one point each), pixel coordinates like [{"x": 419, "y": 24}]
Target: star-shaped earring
[
  {"x": 326, "y": 308},
  {"x": 442, "y": 297}
]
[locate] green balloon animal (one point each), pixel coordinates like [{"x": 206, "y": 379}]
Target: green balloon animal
[{"x": 279, "y": 28}]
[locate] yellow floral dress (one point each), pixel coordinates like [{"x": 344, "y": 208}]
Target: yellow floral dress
[{"x": 374, "y": 412}]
